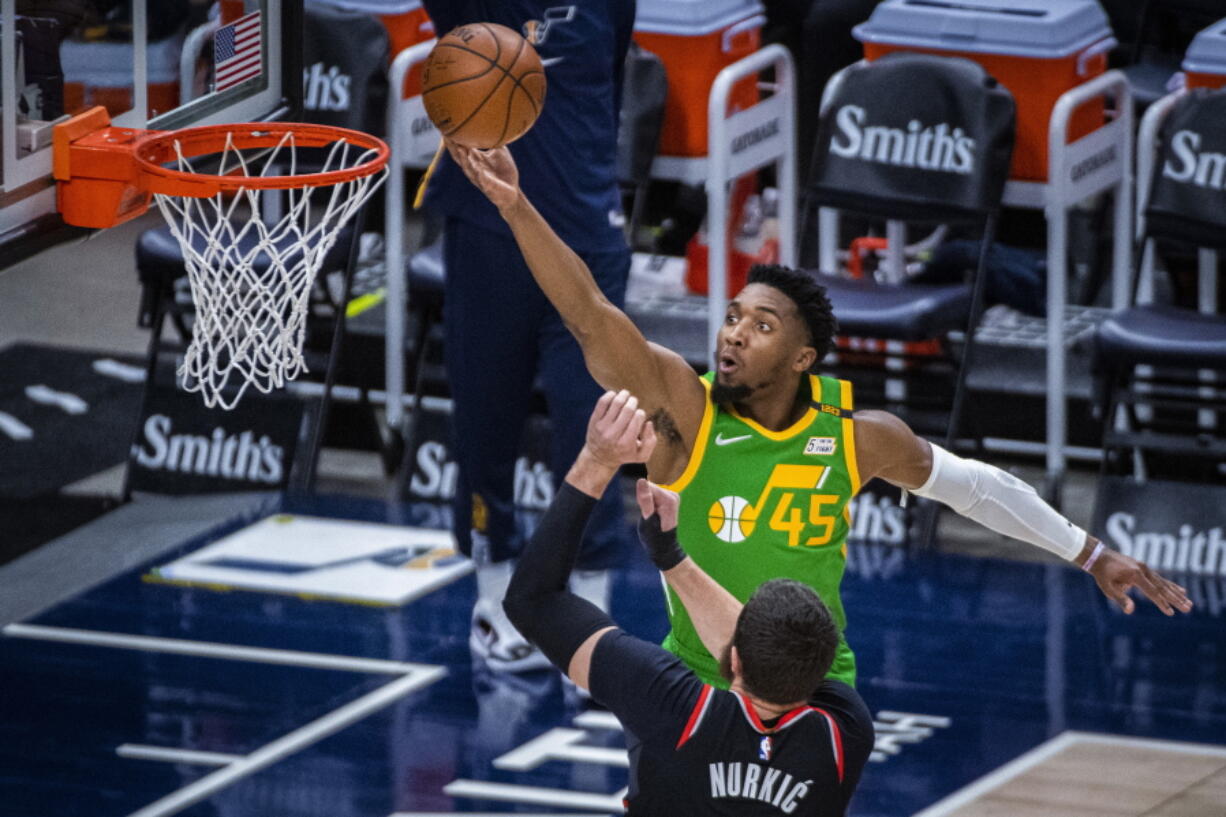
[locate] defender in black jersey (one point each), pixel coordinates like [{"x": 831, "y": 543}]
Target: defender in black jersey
[{"x": 781, "y": 740}]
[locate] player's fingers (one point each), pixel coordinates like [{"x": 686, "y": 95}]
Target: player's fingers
[
  {"x": 605, "y": 425},
  {"x": 646, "y": 497},
  {"x": 663, "y": 497},
  {"x": 647, "y": 439},
  {"x": 666, "y": 504},
  {"x": 460, "y": 154},
  {"x": 634, "y": 424},
  {"x": 624, "y": 405},
  {"x": 1119, "y": 593},
  {"x": 1172, "y": 590},
  {"x": 1174, "y": 595},
  {"x": 1153, "y": 593},
  {"x": 602, "y": 405},
  {"x": 630, "y": 425},
  {"x": 631, "y": 435},
  {"x": 619, "y": 400},
  {"x": 479, "y": 160},
  {"x": 1178, "y": 595}
]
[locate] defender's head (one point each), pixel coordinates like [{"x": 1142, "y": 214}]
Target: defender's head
[
  {"x": 783, "y": 645},
  {"x": 779, "y": 326}
]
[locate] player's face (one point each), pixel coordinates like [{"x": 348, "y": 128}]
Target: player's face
[{"x": 760, "y": 340}]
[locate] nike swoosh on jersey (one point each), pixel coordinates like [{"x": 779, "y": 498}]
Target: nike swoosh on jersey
[
  {"x": 551, "y": 61},
  {"x": 720, "y": 439}
]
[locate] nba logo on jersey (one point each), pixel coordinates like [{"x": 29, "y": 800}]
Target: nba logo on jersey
[
  {"x": 764, "y": 748},
  {"x": 820, "y": 446}
]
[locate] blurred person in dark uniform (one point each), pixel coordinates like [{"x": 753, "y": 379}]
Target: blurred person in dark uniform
[{"x": 501, "y": 332}]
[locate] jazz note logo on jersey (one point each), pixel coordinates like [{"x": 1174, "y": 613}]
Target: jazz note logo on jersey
[
  {"x": 799, "y": 511},
  {"x": 537, "y": 31},
  {"x": 820, "y": 446}
]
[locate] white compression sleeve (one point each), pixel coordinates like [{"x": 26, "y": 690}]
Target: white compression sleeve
[{"x": 998, "y": 500}]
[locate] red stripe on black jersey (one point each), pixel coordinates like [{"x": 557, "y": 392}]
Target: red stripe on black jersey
[
  {"x": 700, "y": 709},
  {"x": 785, "y": 720},
  {"x": 836, "y": 740}
]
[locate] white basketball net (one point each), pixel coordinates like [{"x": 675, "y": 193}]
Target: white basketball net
[{"x": 251, "y": 271}]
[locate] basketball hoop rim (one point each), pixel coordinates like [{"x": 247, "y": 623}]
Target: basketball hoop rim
[{"x": 158, "y": 147}]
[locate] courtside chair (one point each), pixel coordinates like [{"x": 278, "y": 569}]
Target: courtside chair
[
  {"x": 426, "y": 282},
  {"x": 1162, "y": 367},
  {"x": 927, "y": 141},
  {"x": 644, "y": 93}
]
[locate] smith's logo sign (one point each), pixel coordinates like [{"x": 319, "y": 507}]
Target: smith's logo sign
[
  {"x": 1186, "y": 550},
  {"x": 242, "y": 457},
  {"x": 938, "y": 147},
  {"x": 436, "y": 474},
  {"x": 325, "y": 89},
  {"x": 1192, "y": 166}
]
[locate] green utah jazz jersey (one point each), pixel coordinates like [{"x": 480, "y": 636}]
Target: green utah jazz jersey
[{"x": 758, "y": 504}]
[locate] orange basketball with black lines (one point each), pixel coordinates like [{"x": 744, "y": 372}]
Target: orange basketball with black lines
[{"x": 483, "y": 85}]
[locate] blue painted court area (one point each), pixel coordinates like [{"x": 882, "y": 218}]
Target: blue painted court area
[{"x": 300, "y": 707}]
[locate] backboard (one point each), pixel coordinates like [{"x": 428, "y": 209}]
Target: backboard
[{"x": 150, "y": 63}]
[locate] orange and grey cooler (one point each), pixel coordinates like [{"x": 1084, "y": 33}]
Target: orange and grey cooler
[
  {"x": 1204, "y": 64},
  {"x": 1038, "y": 49},
  {"x": 696, "y": 39},
  {"x": 99, "y": 72}
]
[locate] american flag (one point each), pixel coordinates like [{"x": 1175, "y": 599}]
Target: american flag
[{"x": 236, "y": 52}]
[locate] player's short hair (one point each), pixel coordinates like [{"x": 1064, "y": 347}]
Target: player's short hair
[
  {"x": 786, "y": 639},
  {"x": 810, "y": 299}
]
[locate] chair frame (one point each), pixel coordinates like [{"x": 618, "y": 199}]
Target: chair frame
[
  {"x": 1056, "y": 197},
  {"x": 1131, "y": 395}
]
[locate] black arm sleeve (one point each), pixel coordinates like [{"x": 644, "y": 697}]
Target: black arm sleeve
[{"x": 538, "y": 602}]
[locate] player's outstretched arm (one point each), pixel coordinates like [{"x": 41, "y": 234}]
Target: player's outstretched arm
[
  {"x": 712, "y": 608},
  {"x": 617, "y": 354},
  {"x": 564, "y": 626},
  {"x": 887, "y": 448}
]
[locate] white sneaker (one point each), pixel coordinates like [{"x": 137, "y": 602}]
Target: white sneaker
[{"x": 494, "y": 638}]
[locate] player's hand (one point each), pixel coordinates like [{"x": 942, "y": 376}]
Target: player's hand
[
  {"x": 658, "y": 527},
  {"x": 1116, "y": 574},
  {"x": 654, "y": 499},
  {"x": 619, "y": 431},
  {"x": 492, "y": 171}
]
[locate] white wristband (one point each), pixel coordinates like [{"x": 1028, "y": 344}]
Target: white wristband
[{"x": 1094, "y": 554}]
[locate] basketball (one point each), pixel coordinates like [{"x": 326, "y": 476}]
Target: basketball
[{"x": 483, "y": 85}]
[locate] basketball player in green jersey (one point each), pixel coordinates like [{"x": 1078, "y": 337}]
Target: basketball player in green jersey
[{"x": 765, "y": 454}]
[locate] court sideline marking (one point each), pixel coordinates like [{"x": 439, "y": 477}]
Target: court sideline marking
[
  {"x": 209, "y": 649},
  {"x": 412, "y": 677}
]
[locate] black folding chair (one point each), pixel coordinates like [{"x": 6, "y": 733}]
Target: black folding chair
[
  {"x": 1162, "y": 367},
  {"x": 644, "y": 92},
  {"x": 924, "y": 140}
]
